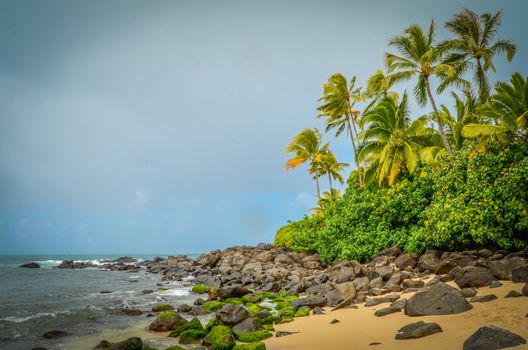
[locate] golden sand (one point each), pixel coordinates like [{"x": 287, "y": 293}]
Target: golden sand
[{"x": 359, "y": 327}]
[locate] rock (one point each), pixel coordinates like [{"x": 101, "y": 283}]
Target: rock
[
  {"x": 376, "y": 283},
  {"x": 200, "y": 301},
  {"x": 386, "y": 311},
  {"x": 311, "y": 302},
  {"x": 429, "y": 260},
  {"x": 437, "y": 299},
  {"x": 184, "y": 308},
  {"x": 147, "y": 291},
  {"x": 520, "y": 274},
  {"x": 343, "y": 304},
  {"x": 361, "y": 283},
  {"x": 167, "y": 321},
  {"x": 103, "y": 344},
  {"x": 418, "y": 330},
  {"x": 375, "y": 343},
  {"x": 54, "y": 334},
  {"x": 233, "y": 292},
  {"x": 129, "y": 344},
  {"x": 162, "y": 307},
  {"x": 131, "y": 312},
  {"x": 485, "y": 253},
  {"x": 404, "y": 261},
  {"x": 390, "y": 252},
  {"x": 231, "y": 314},
  {"x": 454, "y": 260},
  {"x": 513, "y": 294},
  {"x": 30, "y": 265},
  {"x": 413, "y": 284},
  {"x": 386, "y": 299},
  {"x": 483, "y": 298},
  {"x": 492, "y": 338},
  {"x": 472, "y": 276},
  {"x": 468, "y": 292},
  {"x": 525, "y": 290},
  {"x": 495, "y": 284},
  {"x": 247, "y": 326},
  {"x": 284, "y": 259},
  {"x": 502, "y": 269},
  {"x": 105, "y": 292},
  {"x": 66, "y": 264},
  {"x": 346, "y": 289},
  {"x": 400, "y": 303},
  {"x": 279, "y": 334},
  {"x": 385, "y": 272},
  {"x": 317, "y": 311},
  {"x": 334, "y": 321}
]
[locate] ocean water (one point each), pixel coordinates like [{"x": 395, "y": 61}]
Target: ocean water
[{"x": 34, "y": 301}]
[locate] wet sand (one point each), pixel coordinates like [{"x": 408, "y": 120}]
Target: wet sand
[{"x": 359, "y": 327}]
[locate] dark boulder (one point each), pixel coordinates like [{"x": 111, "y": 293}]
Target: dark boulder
[
  {"x": 469, "y": 292},
  {"x": 513, "y": 294},
  {"x": 66, "y": 264},
  {"x": 231, "y": 314},
  {"x": 131, "y": 312},
  {"x": 30, "y": 265},
  {"x": 167, "y": 321},
  {"x": 483, "y": 298},
  {"x": 386, "y": 311},
  {"x": 405, "y": 260},
  {"x": 54, "y": 334},
  {"x": 429, "y": 260},
  {"x": 437, "y": 299},
  {"x": 134, "y": 343},
  {"x": 385, "y": 299},
  {"x": 247, "y": 326},
  {"x": 311, "y": 302},
  {"x": 520, "y": 274},
  {"x": 525, "y": 290},
  {"x": 492, "y": 338},
  {"x": 418, "y": 330},
  {"x": 472, "y": 276},
  {"x": 454, "y": 260}
]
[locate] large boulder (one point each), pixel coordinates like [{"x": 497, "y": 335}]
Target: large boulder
[
  {"x": 453, "y": 260},
  {"x": 129, "y": 344},
  {"x": 418, "y": 330},
  {"x": 30, "y": 265},
  {"x": 404, "y": 261},
  {"x": 167, "y": 321},
  {"x": 344, "y": 271},
  {"x": 342, "y": 291},
  {"x": 247, "y": 326},
  {"x": 502, "y": 269},
  {"x": 311, "y": 302},
  {"x": 231, "y": 314},
  {"x": 492, "y": 338},
  {"x": 437, "y": 299},
  {"x": 66, "y": 264},
  {"x": 473, "y": 276},
  {"x": 429, "y": 260},
  {"x": 520, "y": 274}
]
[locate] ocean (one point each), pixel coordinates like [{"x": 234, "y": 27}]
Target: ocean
[{"x": 34, "y": 301}]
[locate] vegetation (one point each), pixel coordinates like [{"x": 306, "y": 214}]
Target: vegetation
[
  {"x": 200, "y": 289},
  {"x": 454, "y": 178},
  {"x": 253, "y": 337}
]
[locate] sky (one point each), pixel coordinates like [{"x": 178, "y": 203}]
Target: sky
[{"x": 159, "y": 127}]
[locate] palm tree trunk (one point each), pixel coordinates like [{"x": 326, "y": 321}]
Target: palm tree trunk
[
  {"x": 318, "y": 189},
  {"x": 356, "y": 159},
  {"x": 483, "y": 82},
  {"x": 330, "y": 181},
  {"x": 438, "y": 119}
]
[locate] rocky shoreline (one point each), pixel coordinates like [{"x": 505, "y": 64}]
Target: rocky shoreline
[{"x": 248, "y": 290}]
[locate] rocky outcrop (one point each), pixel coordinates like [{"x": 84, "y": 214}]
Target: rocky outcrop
[
  {"x": 30, "y": 265},
  {"x": 231, "y": 314},
  {"x": 167, "y": 321},
  {"x": 437, "y": 299},
  {"x": 492, "y": 338}
]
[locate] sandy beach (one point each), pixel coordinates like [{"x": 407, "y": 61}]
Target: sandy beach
[{"x": 359, "y": 327}]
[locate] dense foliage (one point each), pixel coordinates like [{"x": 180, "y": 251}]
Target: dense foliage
[{"x": 445, "y": 180}]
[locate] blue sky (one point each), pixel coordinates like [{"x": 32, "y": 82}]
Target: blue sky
[{"x": 159, "y": 126}]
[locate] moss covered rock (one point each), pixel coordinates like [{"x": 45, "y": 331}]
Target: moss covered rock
[
  {"x": 200, "y": 289},
  {"x": 212, "y": 306},
  {"x": 220, "y": 338},
  {"x": 251, "y": 298},
  {"x": 192, "y": 336},
  {"x": 288, "y": 311},
  {"x": 129, "y": 344},
  {"x": 175, "y": 347},
  {"x": 212, "y": 322},
  {"x": 236, "y": 301},
  {"x": 254, "y": 337},
  {"x": 193, "y": 324},
  {"x": 162, "y": 307},
  {"x": 303, "y": 311},
  {"x": 250, "y": 346},
  {"x": 167, "y": 321}
]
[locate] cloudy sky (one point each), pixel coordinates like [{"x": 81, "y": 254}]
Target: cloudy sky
[{"x": 159, "y": 126}]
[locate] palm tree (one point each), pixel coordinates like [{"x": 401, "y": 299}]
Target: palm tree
[
  {"x": 306, "y": 147},
  {"x": 331, "y": 167},
  {"x": 327, "y": 199},
  {"x": 421, "y": 58},
  {"x": 507, "y": 108},
  {"x": 339, "y": 98},
  {"x": 392, "y": 143},
  {"x": 466, "y": 113},
  {"x": 473, "y": 44}
]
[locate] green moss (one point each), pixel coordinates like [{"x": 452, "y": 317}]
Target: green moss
[
  {"x": 211, "y": 306},
  {"x": 194, "y": 324},
  {"x": 166, "y": 315},
  {"x": 162, "y": 307},
  {"x": 251, "y": 298},
  {"x": 129, "y": 344},
  {"x": 288, "y": 311},
  {"x": 285, "y": 320},
  {"x": 269, "y": 327},
  {"x": 200, "y": 289},
  {"x": 221, "y": 338},
  {"x": 175, "y": 347},
  {"x": 250, "y": 346},
  {"x": 303, "y": 311},
  {"x": 290, "y": 298},
  {"x": 212, "y": 322},
  {"x": 192, "y": 336},
  {"x": 281, "y": 305},
  {"x": 253, "y": 337},
  {"x": 146, "y": 347},
  {"x": 253, "y": 308},
  {"x": 236, "y": 301}
]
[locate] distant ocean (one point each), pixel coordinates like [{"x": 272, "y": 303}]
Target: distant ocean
[{"x": 33, "y": 301}]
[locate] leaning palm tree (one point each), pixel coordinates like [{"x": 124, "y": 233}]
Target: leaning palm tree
[
  {"x": 421, "y": 58},
  {"x": 307, "y": 146},
  {"x": 506, "y": 113},
  {"x": 331, "y": 167},
  {"x": 338, "y": 99},
  {"x": 392, "y": 142},
  {"x": 473, "y": 44}
]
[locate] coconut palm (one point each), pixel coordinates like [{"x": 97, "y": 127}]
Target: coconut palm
[
  {"x": 506, "y": 112},
  {"x": 473, "y": 44},
  {"x": 392, "y": 142},
  {"x": 327, "y": 199},
  {"x": 331, "y": 167},
  {"x": 307, "y": 146},
  {"x": 420, "y": 58},
  {"x": 339, "y": 98},
  {"x": 466, "y": 113}
]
